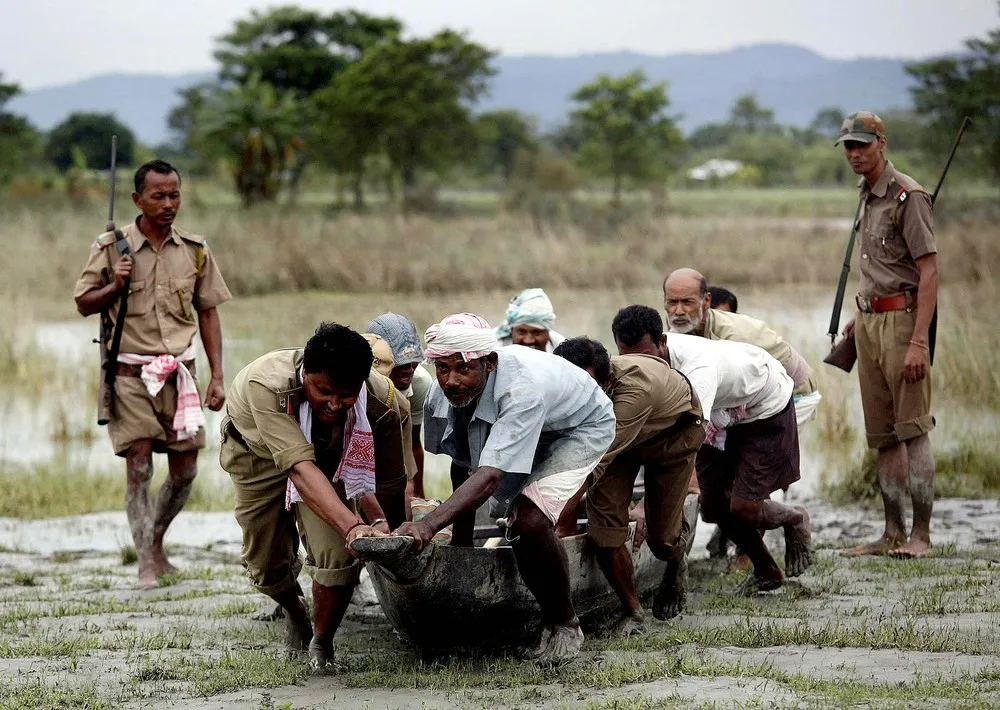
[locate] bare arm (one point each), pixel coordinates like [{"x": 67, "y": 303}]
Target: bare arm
[
  {"x": 98, "y": 299},
  {"x": 211, "y": 337},
  {"x": 469, "y": 496},
  {"x": 320, "y": 496}
]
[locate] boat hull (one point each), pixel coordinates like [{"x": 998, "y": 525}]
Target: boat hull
[{"x": 474, "y": 598}]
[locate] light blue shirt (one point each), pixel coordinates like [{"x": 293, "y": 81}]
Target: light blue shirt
[{"x": 538, "y": 415}]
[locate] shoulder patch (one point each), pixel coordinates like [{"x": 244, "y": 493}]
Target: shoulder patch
[{"x": 105, "y": 240}]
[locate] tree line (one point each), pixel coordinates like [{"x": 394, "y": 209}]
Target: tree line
[{"x": 300, "y": 91}]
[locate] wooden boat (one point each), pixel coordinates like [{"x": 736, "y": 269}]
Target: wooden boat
[{"x": 460, "y": 598}]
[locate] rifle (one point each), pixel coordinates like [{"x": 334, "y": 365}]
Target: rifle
[
  {"x": 110, "y": 339},
  {"x": 844, "y": 354}
]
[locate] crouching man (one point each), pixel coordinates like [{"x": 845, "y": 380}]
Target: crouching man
[
  {"x": 309, "y": 435},
  {"x": 658, "y": 426},
  {"x": 531, "y": 427},
  {"x": 751, "y": 445}
]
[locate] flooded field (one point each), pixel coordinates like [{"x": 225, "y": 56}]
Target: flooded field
[{"x": 852, "y": 633}]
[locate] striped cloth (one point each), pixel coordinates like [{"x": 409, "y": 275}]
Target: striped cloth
[
  {"x": 156, "y": 370},
  {"x": 462, "y": 333},
  {"x": 357, "y": 463}
]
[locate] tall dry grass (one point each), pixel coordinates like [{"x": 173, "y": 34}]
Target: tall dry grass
[{"x": 267, "y": 251}]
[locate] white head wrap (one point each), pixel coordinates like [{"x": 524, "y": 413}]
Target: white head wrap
[{"x": 464, "y": 333}]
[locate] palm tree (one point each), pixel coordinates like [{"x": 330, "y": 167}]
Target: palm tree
[{"x": 257, "y": 129}]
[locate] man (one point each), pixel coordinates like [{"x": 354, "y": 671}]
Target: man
[
  {"x": 174, "y": 276},
  {"x": 687, "y": 300},
  {"x": 409, "y": 378},
  {"x": 531, "y": 427},
  {"x": 529, "y": 322},
  {"x": 723, "y": 299},
  {"x": 752, "y": 446},
  {"x": 894, "y": 333},
  {"x": 658, "y": 426},
  {"x": 309, "y": 436}
]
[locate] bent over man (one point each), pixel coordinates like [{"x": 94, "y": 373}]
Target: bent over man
[
  {"x": 751, "y": 445},
  {"x": 531, "y": 427},
  {"x": 174, "y": 290},
  {"x": 658, "y": 426},
  {"x": 310, "y": 436},
  {"x": 893, "y": 331}
]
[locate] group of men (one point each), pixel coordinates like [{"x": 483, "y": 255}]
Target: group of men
[{"x": 325, "y": 443}]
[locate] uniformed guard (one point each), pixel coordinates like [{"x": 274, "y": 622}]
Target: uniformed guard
[
  {"x": 174, "y": 289},
  {"x": 894, "y": 332},
  {"x": 310, "y": 436}
]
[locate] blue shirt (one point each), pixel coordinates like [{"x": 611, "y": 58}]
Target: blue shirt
[{"x": 538, "y": 415}]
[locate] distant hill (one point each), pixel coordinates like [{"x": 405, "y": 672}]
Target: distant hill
[{"x": 794, "y": 81}]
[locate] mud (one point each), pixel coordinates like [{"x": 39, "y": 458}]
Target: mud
[{"x": 870, "y": 631}]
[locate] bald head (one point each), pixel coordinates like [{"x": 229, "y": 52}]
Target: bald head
[{"x": 686, "y": 300}]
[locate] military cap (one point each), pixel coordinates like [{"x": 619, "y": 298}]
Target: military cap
[
  {"x": 382, "y": 354},
  {"x": 861, "y": 126}
]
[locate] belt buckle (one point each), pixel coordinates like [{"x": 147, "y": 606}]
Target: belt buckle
[{"x": 864, "y": 304}]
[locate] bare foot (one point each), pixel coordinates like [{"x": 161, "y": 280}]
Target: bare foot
[
  {"x": 535, "y": 652},
  {"x": 798, "y": 546},
  {"x": 879, "y": 547},
  {"x": 321, "y": 658},
  {"x": 913, "y": 550},
  {"x": 671, "y": 596},
  {"x": 564, "y": 644},
  {"x": 298, "y": 637},
  {"x": 752, "y": 585},
  {"x": 147, "y": 577},
  {"x": 718, "y": 546},
  {"x": 630, "y": 622}
]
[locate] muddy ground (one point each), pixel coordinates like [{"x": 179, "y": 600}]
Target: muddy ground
[{"x": 869, "y": 632}]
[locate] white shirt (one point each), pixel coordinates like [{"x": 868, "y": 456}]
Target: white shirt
[{"x": 726, "y": 374}]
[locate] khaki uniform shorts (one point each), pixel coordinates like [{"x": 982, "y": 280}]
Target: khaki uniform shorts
[
  {"x": 669, "y": 461},
  {"x": 270, "y": 540},
  {"x": 894, "y": 410},
  {"x": 139, "y": 416}
]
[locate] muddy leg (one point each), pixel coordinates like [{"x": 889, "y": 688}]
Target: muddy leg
[
  {"x": 173, "y": 494},
  {"x": 921, "y": 470},
  {"x": 298, "y": 630},
  {"x": 139, "y": 508},
  {"x": 464, "y": 527},
  {"x": 329, "y": 606},
  {"x": 541, "y": 560},
  {"x": 798, "y": 533},
  {"x": 892, "y": 473},
  {"x": 741, "y": 526},
  {"x": 616, "y": 563}
]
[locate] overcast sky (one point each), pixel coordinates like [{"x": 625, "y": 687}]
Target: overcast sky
[{"x": 45, "y": 42}]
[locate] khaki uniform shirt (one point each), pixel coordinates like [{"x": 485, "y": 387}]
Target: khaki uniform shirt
[
  {"x": 166, "y": 286},
  {"x": 648, "y": 396},
  {"x": 888, "y": 252},
  {"x": 721, "y": 325},
  {"x": 263, "y": 405}
]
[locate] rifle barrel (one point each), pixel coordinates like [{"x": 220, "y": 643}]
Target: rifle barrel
[
  {"x": 966, "y": 122},
  {"x": 111, "y": 196}
]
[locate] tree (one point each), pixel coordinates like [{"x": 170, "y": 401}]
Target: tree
[
  {"x": 299, "y": 50},
  {"x": 256, "y": 128},
  {"x": 711, "y": 135},
  {"x": 501, "y": 135},
  {"x": 948, "y": 88},
  {"x": 412, "y": 99},
  {"x": 91, "y": 132},
  {"x": 827, "y": 122},
  {"x": 748, "y": 116},
  {"x": 626, "y": 133},
  {"x": 18, "y": 140}
]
